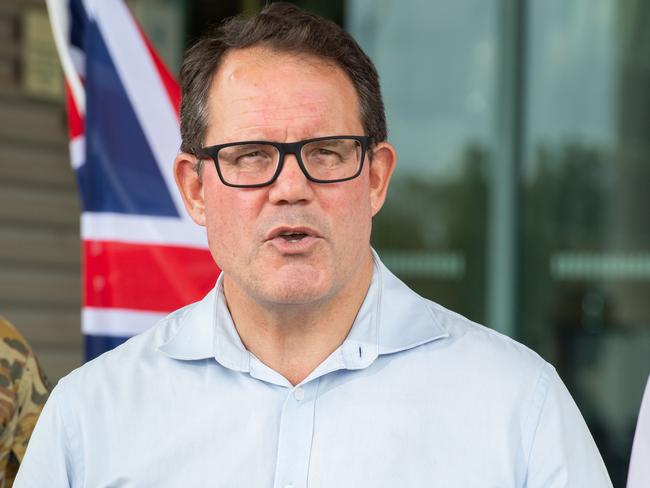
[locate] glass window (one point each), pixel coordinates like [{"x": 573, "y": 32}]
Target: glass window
[
  {"x": 436, "y": 60},
  {"x": 585, "y": 262},
  {"x": 583, "y": 240}
]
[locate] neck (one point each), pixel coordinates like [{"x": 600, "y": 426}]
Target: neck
[{"x": 294, "y": 339}]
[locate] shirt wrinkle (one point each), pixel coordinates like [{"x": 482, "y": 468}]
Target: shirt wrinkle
[
  {"x": 67, "y": 438},
  {"x": 449, "y": 416},
  {"x": 541, "y": 390}
]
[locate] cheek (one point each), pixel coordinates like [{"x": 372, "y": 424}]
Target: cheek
[
  {"x": 353, "y": 214},
  {"x": 231, "y": 215}
]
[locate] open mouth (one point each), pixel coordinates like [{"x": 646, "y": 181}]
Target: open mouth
[{"x": 293, "y": 236}]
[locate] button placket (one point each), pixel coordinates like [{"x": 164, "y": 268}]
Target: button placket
[
  {"x": 295, "y": 436},
  {"x": 299, "y": 393}
]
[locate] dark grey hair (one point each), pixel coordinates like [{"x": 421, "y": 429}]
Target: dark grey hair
[{"x": 285, "y": 28}]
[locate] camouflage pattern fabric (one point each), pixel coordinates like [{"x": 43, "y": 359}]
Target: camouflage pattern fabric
[{"x": 23, "y": 391}]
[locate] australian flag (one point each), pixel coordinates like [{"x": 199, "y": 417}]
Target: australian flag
[{"x": 142, "y": 255}]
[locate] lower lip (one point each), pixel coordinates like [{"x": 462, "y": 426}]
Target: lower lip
[{"x": 299, "y": 246}]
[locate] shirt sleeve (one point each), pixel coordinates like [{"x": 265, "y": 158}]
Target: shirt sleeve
[
  {"x": 639, "y": 474},
  {"x": 563, "y": 453},
  {"x": 48, "y": 460}
]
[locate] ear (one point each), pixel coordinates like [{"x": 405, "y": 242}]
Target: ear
[
  {"x": 190, "y": 184},
  {"x": 382, "y": 166}
]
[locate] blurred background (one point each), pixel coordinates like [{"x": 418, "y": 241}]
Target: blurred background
[{"x": 521, "y": 197}]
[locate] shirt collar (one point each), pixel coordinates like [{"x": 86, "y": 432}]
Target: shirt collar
[
  {"x": 392, "y": 318},
  {"x": 406, "y": 319},
  {"x": 192, "y": 330},
  {"x": 207, "y": 330}
]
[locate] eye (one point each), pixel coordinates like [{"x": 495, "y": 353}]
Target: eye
[
  {"x": 323, "y": 153},
  {"x": 247, "y": 156},
  {"x": 254, "y": 154}
]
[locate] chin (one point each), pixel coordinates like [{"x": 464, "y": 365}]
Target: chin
[
  {"x": 296, "y": 286},
  {"x": 294, "y": 297}
]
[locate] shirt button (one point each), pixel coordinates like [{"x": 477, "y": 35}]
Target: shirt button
[{"x": 298, "y": 394}]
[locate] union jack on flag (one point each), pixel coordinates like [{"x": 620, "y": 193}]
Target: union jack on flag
[{"x": 142, "y": 255}]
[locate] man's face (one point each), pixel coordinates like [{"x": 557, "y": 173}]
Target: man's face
[{"x": 259, "y": 94}]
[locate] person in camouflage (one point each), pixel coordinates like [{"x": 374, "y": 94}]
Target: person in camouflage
[{"x": 23, "y": 391}]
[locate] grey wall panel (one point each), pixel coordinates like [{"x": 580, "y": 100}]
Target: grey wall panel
[
  {"x": 31, "y": 245},
  {"x": 50, "y": 326},
  {"x": 40, "y": 276},
  {"x": 28, "y": 204},
  {"x": 46, "y": 166},
  {"x": 40, "y": 286},
  {"x": 32, "y": 121}
]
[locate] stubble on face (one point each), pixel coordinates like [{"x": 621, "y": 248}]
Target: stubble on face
[{"x": 257, "y": 95}]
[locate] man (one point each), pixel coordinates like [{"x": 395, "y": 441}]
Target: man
[
  {"x": 309, "y": 364},
  {"x": 23, "y": 391},
  {"x": 639, "y": 471}
]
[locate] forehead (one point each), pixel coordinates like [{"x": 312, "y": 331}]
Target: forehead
[{"x": 261, "y": 93}]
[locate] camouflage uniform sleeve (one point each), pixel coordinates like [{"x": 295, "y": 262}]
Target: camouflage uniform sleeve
[
  {"x": 32, "y": 394},
  {"x": 23, "y": 391}
]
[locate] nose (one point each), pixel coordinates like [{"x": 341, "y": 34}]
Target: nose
[{"x": 291, "y": 186}]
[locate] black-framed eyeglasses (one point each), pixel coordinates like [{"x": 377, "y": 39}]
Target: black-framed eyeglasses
[{"x": 252, "y": 164}]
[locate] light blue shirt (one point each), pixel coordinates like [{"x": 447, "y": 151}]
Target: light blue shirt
[{"x": 416, "y": 396}]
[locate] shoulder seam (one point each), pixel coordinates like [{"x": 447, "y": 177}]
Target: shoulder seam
[
  {"x": 66, "y": 431},
  {"x": 538, "y": 403}
]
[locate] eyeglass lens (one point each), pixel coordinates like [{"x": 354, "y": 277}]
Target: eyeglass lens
[{"x": 252, "y": 164}]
